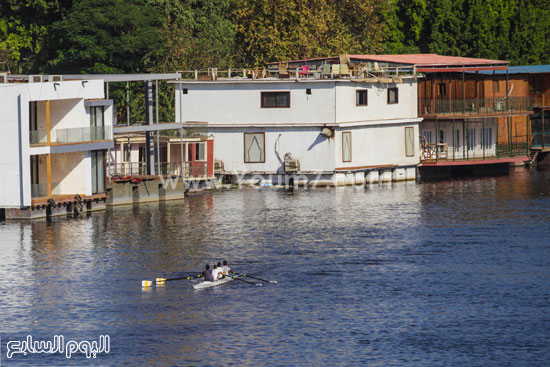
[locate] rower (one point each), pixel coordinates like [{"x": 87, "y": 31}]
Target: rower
[
  {"x": 222, "y": 273},
  {"x": 216, "y": 272},
  {"x": 225, "y": 269},
  {"x": 208, "y": 274}
]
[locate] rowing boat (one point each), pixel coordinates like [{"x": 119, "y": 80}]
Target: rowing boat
[{"x": 207, "y": 284}]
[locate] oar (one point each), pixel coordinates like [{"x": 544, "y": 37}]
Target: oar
[
  {"x": 263, "y": 280},
  {"x": 148, "y": 283},
  {"x": 246, "y": 281}
]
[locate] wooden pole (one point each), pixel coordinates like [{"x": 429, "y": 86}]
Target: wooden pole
[
  {"x": 48, "y": 121},
  {"x": 49, "y": 170}
]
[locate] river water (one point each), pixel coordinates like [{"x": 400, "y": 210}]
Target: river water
[{"x": 452, "y": 273}]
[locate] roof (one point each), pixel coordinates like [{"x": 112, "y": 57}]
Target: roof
[
  {"x": 429, "y": 60},
  {"x": 526, "y": 69},
  {"x": 425, "y": 62}
]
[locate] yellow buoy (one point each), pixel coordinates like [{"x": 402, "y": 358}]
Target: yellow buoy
[
  {"x": 146, "y": 283},
  {"x": 161, "y": 280}
]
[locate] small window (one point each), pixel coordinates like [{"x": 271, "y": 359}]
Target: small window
[
  {"x": 275, "y": 99},
  {"x": 442, "y": 136},
  {"x": 308, "y": 91},
  {"x": 393, "y": 95},
  {"x": 409, "y": 141},
  {"x": 471, "y": 139},
  {"x": 199, "y": 151},
  {"x": 254, "y": 147},
  {"x": 361, "y": 98},
  {"x": 346, "y": 146},
  {"x": 457, "y": 141},
  {"x": 185, "y": 90}
]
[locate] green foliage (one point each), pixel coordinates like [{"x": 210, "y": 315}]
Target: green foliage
[
  {"x": 103, "y": 36},
  {"x": 106, "y": 36},
  {"x": 268, "y": 30}
]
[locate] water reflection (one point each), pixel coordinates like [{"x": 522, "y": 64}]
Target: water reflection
[{"x": 402, "y": 274}]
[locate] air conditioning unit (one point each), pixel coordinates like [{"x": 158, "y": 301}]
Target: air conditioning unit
[
  {"x": 218, "y": 166},
  {"x": 36, "y": 78},
  {"x": 292, "y": 165},
  {"x": 3, "y": 78},
  {"x": 55, "y": 78}
]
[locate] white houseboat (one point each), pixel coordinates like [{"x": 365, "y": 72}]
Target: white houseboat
[
  {"x": 54, "y": 137},
  {"x": 325, "y": 125}
]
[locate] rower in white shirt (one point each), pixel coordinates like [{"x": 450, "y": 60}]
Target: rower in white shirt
[
  {"x": 216, "y": 273},
  {"x": 225, "y": 269}
]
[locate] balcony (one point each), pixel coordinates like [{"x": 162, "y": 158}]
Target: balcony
[
  {"x": 71, "y": 136},
  {"x": 473, "y": 106}
]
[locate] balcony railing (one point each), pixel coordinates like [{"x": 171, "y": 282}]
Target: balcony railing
[
  {"x": 135, "y": 169},
  {"x": 474, "y": 106},
  {"x": 72, "y": 135}
]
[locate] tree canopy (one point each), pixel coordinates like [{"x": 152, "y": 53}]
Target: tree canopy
[{"x": 105, "y": 36}]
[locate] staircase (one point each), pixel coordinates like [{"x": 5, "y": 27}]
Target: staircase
[{"x": 533, "y": 154}]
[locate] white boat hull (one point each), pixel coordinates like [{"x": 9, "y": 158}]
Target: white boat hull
[{"x": 206, "y": 284}]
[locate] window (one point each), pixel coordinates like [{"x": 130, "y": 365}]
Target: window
[
  {"x": 96, "y": 123},
  {"x": 275, "y": 99},
  {"x": 361, "y": 98},
  {"x": 199, "y": 151},
  {"x": 98, "y": 172},
  {"x": 409, "y": 141},
  {"x": 471, "y": 138},
  {"x": 254, "y": 147},
  {"x": 442, "y": 89},
  {"x": 346, "y": 146},
  {"x": 442, "y": 136},
  {"x": 457, "y": 141},
  {"x": 393, "y": 95},
  {"x": 488, "y": 137}
]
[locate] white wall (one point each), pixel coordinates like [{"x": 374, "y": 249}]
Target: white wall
[
  {"x": 378, "y": 108},
  {"x": 69, "y": 174},
  {"x": 377, "y": 145},
  {"x": 240, "y": 103},
  {"x": 314, "y": 151}
]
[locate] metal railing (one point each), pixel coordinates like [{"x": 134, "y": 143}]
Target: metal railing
[
  {"x": 72, "y": 135},
  {"x": 135, "y": 169},
  {"x": 474, "y": 106}
]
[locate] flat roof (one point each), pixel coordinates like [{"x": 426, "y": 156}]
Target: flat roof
[
  {"x": 122, "y": 77},
  {"x": 526, "y": 69}
]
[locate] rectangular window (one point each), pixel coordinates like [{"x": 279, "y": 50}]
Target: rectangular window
[
  {"x": 409, "y": 141},
  {"x": 361, "y": 98},
  {"x": 442, "y": 136},
  {"x": 200, "y": 151},
  {"x": 96, "y": 123},
  {"x": 471, "y": 139},
  {"x": 254, "y": 147},
  {"x": 98, "y": 172},
  {"x": 275, "y": 99},
  {"x": 457, "y": 141},
  {"x": 488, "y": 137},
  {"x": 393, "y": 95},
  {"x": 346, "y": 146}
]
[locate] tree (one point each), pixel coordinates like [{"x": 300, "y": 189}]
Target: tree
[
  {"x": 103, "y": 36},
  {"x": 23, "y": 27},
  {"x": 195, "y": 34},
  {"x": 269, "y": 30}
]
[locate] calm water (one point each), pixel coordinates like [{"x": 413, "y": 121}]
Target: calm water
[{"x": 452, "y": 273}]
